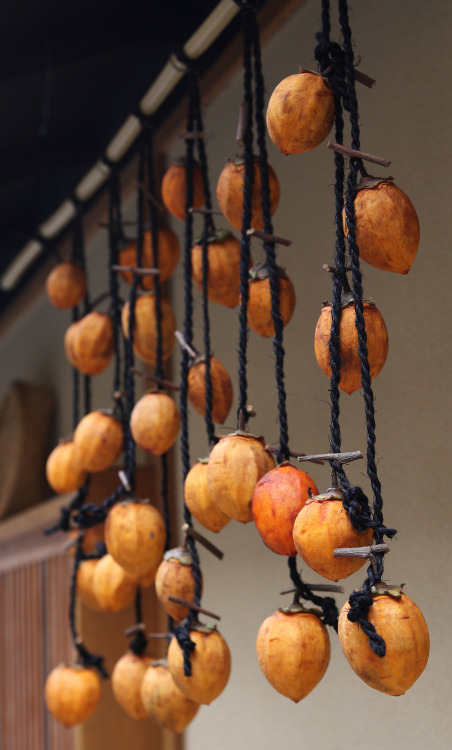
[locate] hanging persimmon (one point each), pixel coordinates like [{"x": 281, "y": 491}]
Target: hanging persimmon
[
  {"x": 222, "y": 394},
  {"x": 236, "y": 464},
  {"x": 199, "y": 501},
  {"x": 155, "y": 422},
  {"x": 230, "y": 188},
  {"x": 72, "y": 693},
  {"x": 63, "y": 471},
  {"x": 112, "y": 586},
  {"x": 126, "y": 680},
  {"x": 322, "y": 526},
  {"x": 293, "y": 649},
  {"x": 66, "y": 285},
  {"x": 89, "y": 343},
  {"x": 223, "y": 258},
  {"x": 163, "y": 700},
  {"x": 300, "y": 112},
  {"x": 173, "y": 187},
  {"x": 277, "y": 499},
  {"x": 210, "y": 665},
  {"x": 175, "y": 577},
  {"x": 168, "y": 256},
  {"x": 260, "y": 303},
  {"x": 387, "y": 225},
  {"x": 377, "y": 344},
  {"x": 145, "y": 333},
  {"x": 400, "y": 623},
  {"x": 85, "y": 589},
  {"x": 135, "y": 536},
  {"x": 98, "y": 440}
]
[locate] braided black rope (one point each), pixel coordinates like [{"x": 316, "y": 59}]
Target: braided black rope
[
  {"x": 327, "y": 603},
  {"x": 182, "y": 632},
  {"x": 115, "y": 236}
]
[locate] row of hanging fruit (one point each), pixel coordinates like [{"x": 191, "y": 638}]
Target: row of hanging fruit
[{"x": 382, "y": 632}]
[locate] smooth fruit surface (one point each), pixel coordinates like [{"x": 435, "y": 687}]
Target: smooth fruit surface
[
  {"x": 66, "y": 285},
  {"x": 277, "y": 499},
  {"x": 236, "y": 464},
  {"x": 126, "y": 680},
  {"x": 164, "y": 701},
  {"x": 402, "y": 626},
  {"x": 322, "y": 526},
  {"x": 199, "y": 501},
  {"x": 135, "y": 536},
  {"x": 173, "y": 189},
  {"x": 113, "y": 588},
  {"x": 155, "y": 422},
  {"x": 230, "y": 194},
  {"x": 85, "y": 590},
  {"x": 300, "y": 112},
  {"x": 293, "y": 650},
  {"x": 72, "y": 694},
  {"x": 377, "y": 344},
  {"x": 63, "y": 471},
  {"x": 387, "y": 227},
  {"x": 98, "y": 441},
  {"x": 210, "y": 665}
]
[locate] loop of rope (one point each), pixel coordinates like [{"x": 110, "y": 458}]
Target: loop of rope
[{"x": 327, "y": 603}]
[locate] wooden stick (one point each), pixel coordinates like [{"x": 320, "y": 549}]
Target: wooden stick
[
  {"x": 191, "y": 135},
  {"x": 317, "y": 587},
  {"x": 242, "y": 124},
  {"x": 190, "y": 531},
  {"x": 151, "y": 197},
  {"x": 180, "y": 337},
  {"x": 360, "y": 551},
  {"x": 155, "y": 379},
  {"x": 293, "y": 454},
  {"x": 193, "y": 606},
  {"x": 204, "y": 211},
  {"x": 364, "y": 79},
  {"x": 357, "y": 154},
  {"x": 138, "y": 271},
  {"x": 267, "y": 237},
  {"x": 340, "y": 458},
  {"x": 135, "y": 628}
]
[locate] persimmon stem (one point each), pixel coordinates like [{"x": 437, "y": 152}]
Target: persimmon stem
[
  {"x": 204, "y": 211},
  {"x": 355, "y": 154},
  {"x": 190, "y": 531},
  {"x": 292, "y": 454},
  {"x": 242, "y": 124},
  {"x": 193, "y": 606},
  {"x": 340, "y": 458},
  {"x": 267, "y": 237},
  {"x": 161, "y": 381},
  {"x": 318, "y": 587},
  {"x": 180, "y": 337},
  {"x": 139, "y": 626},
  {"x": 138, "y": 271},
  {"x": 360, "y": 551}
]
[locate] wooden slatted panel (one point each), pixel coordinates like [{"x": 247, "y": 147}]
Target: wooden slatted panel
[{"x": 58, "y": 645}]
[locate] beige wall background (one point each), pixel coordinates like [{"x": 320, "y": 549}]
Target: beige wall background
[{"x": 407, "y": 118}]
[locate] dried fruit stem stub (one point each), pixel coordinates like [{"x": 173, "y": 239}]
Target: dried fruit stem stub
[
  {"x": 223, "y": 280},
  {"x": 321, "y": 526},
  {"x": 210, "y": 666},
  {"x": 260, "y": 303},
  {"x": 168, "y": 256},
  {"x": 230, "y": 193},
  {"x": 277, "y": 499},
  {"x": 222, "y": 393},
  {"x": 402, "y": 626},
  {"x": 66, "y": 285},
  {"x": 293, "y": 650},
  {"x": 300, "y": 112},
  {"x": 145, "y": 331},
  {"x": 387, "y": 227},
  {"x": 174, "y": 186},
  {"x": 72, "y": 693},
  {"x": 163, "y": 700},
  {"x": 199, "y": 501},
  {"x": 126, "y": 680},
  {"x": 98, "y": 440},
  {"x": 377, "y": 344},
  {"x": 236, "y": 464},
  {"x": 155, "y": 422},
  {"x": 135, "y": 536}
]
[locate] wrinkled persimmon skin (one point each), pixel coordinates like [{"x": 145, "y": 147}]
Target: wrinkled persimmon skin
[
  {"x": 300, "y": 112},
  {"x": 277, "y": 500},
  {"x": 403, "y": 628},
  {"x": 377, "y": 344},
  {"x": 210, "y": 666},
  {"x": 322, "y": 526},
  {"x": 168, "y": 256},
  {"x": 173, "y": 189},
  {"x": 387, "y": 227},
  {"x": 230, "y": 194},
  {"x": 235, "y": 466},
  {"x": 199, "y": 501},
  {"x": 163, "y": 700},
  {"x": 293, "y": 650},
  {"x": 260, "y": 304},
  {"x": 135, "y": 536},
  {"x": 72, "y": 694},
  {"x": 126, "y": 680},
  {"x": 222, "y": 393},
  {"x": 223, "y": 280}
]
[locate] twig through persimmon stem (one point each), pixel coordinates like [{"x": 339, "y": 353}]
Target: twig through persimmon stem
[
  {"x": 161, "y": 381},
  {"x": 293, "y": 454},
  {"x": 340, "y": 458},
  {"x": 190, "y": 531},
  {"x": 318, "y": 587},
  {"x": 355, "y": 154},
  {"x": 138, "y": 271},
  {"x": 267, "y": 237},
  {"x": 193, "y": 606},
  {"x": 180, "y": 337}
]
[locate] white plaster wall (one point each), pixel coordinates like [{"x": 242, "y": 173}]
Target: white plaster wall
[{"x": 406, "y": 118}]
